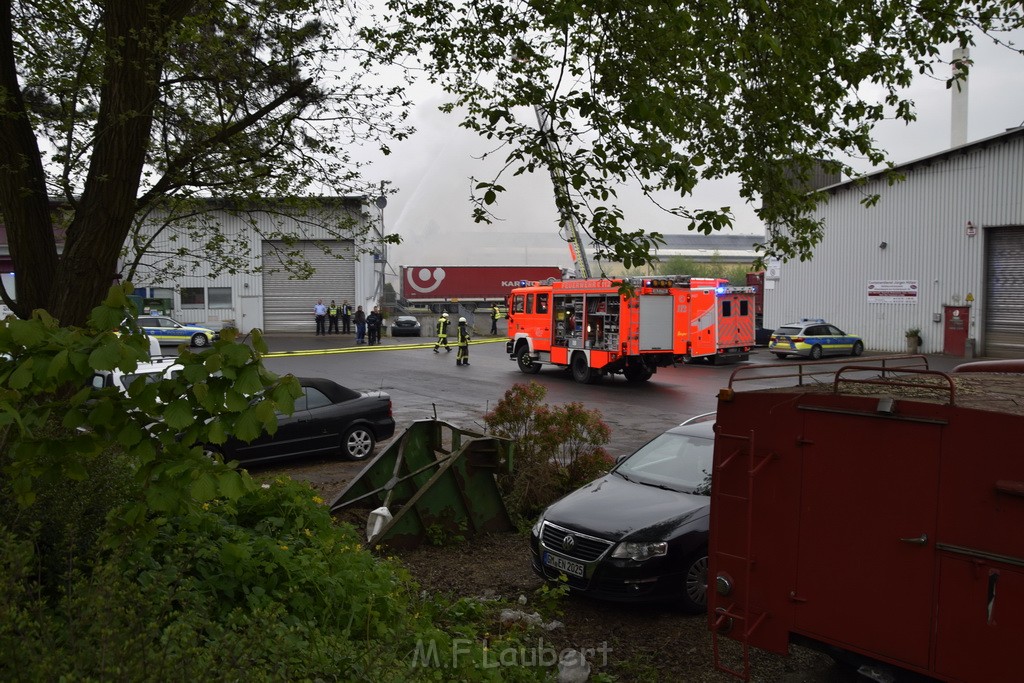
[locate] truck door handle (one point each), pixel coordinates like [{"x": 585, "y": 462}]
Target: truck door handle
[{"x": 920, "y": 540}]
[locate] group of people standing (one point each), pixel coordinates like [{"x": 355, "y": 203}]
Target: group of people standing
[
  {"x": 462, "y": 339},
  {"x": 327, "y": 317},
  {"x": 368, "y": 326}
]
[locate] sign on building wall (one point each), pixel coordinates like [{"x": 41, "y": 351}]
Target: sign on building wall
[{"x": 892, "y": 291}]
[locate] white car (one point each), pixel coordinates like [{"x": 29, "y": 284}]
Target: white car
[{"x": 152, "y": 371}]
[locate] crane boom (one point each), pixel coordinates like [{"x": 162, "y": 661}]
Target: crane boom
[{"x": 576, "y": 249}]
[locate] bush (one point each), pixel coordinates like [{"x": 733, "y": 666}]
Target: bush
[
  {"x": 557, "y": 449},
  {"x": 265, "y": 588}
]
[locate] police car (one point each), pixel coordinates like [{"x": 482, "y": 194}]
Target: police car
[
  {"x": 813, "y": 338},
  {"x": 170, "y": 331}
]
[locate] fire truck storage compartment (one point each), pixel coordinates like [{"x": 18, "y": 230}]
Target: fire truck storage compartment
[
  {"x": 881, "y": 519},
  {"x": 655, "y": 323}
]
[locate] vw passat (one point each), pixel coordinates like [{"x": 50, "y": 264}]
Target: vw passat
[{"x": 639, "y": 533}]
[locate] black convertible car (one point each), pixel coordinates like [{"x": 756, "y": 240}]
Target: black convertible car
[
  {"x": 639, "y": 533},
  {"x": 328, "y": 419}
]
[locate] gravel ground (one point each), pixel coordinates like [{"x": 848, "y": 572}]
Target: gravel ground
[{"x": 642, "y": 643}]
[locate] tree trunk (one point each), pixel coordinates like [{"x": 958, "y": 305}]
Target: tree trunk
[{"x": 23, "y": 199}]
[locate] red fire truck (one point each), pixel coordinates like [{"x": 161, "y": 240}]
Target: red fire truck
[
  {"x": 592, "y": 327},
  {"x": 874, "y": 509}
]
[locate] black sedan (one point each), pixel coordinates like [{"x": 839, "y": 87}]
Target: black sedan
[
  {"x": 328, "y": 419},
  {"x": 639, "y": 533},
  {"x": 405, "y": 326}
]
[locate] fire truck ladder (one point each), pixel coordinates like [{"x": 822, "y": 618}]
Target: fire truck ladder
[
  {"x": 732, "y": 615},
  {"x": 562, "y": 199}
]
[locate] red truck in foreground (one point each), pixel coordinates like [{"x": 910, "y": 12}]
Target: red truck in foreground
[{"x": 873, "y": 509}]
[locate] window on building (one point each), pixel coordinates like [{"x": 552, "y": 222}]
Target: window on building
[
  {"x": 220, "y": 297},
  {"x": 193, "y": 297}
]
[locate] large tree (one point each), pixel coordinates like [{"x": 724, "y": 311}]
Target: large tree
[
  {"x": 662, "y": 95},
  {"x": 114, "y": 110}
]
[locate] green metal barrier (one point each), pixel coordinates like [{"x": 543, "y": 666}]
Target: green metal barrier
[{"x": 436, "y": 481}]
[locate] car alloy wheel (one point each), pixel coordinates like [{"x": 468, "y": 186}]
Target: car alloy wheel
[
  {"x": 199, "y": 340},
  {"x": 357, "y": 443},
  {"x": 695, "y": 582}
]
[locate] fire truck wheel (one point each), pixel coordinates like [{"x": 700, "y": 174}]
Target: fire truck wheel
[
  {"x": 581, "y": 370},
  {"x": 525, "y": 362},
  {"x": 695, "y": 582},
  {"x": 815, "y": 352},
  {"x": 636, "y": 375}
]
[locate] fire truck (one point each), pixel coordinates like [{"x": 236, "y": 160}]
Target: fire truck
[
  {"x": 872, "y": 509},
  {"x": 594, "y": 327}
]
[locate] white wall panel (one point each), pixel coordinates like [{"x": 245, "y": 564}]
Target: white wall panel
[{"x": 923, "y": 221}]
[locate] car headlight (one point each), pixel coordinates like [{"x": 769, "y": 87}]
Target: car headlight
[
  {"x": 537, "y": 526},
  {"x": 640, "y": 551}
]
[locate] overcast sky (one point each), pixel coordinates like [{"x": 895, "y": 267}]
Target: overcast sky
[{"x": 432, "y": 169}]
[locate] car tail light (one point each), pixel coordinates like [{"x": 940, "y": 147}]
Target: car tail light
[{"x": 797, "y": 340}]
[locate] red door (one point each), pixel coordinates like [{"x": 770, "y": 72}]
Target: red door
[
  {"x": 955, "y": 325},
  {"x": 867, "y": 534}
]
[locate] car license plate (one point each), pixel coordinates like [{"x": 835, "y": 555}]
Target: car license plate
[{"x": 564, "y": 565}]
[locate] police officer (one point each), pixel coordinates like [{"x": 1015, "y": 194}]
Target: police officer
[
  {"x": 442, "y": 333},
  {"x": 346, "y": 317},
  {"x": 332, "y": 317},
  {"x": 462, "y": 357}
]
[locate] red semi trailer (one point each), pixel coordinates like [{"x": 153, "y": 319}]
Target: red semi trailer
[
  {"x": 438, "y": 286},
  {"x": 874, "y": 509}
]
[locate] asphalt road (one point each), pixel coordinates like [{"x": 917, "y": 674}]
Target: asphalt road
[{"x": 423, "y": 384}]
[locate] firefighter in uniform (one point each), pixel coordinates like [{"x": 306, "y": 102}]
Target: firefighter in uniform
[
  {"x": 462, "y": 357},
  {"x": 442, "y": 333},
  {"x": 332, "y": 317}
]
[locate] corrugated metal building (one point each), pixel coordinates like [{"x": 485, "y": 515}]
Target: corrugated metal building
[
  {"x": 942, "y": 251},
  {"x": 268, "y": 296}
]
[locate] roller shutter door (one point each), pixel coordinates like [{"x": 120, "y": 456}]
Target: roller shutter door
[
  {"x": 287, "y": 303},
  {"x": 1004, "y": 301}
]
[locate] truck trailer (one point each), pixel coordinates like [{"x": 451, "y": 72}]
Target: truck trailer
[
  {"x": 444, "y": 288},
  {"x": 872, "y": 509}
]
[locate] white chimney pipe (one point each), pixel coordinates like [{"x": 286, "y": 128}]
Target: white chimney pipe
[{"x": 958, "y": 120}]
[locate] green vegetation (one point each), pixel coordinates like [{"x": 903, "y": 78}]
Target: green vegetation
[
  {"x": 557, "y": 449},
  {"x": 126, "y": 553},
  {"x": 735, "y": 273}
]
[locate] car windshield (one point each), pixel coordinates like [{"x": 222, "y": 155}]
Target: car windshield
[
  {"x": 788, "y": 331},
  {"x": 676, "y": 461},
  {"x": 150, "y": 377}
]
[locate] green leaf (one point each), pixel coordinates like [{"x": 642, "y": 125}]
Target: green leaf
[
  {"x": 107, "y": 355},
  {"x": 178, "y": 414},
  {"x": 248, "y": 426},
  {"x": 22, "y": 375},
  {"x": 204, "y": 487}
]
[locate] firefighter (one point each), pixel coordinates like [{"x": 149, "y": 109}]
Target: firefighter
[
  {"x": 442, "y": 333},
  {"x": 462, "y": 357},
  {"x": 495, "y": 314}
]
